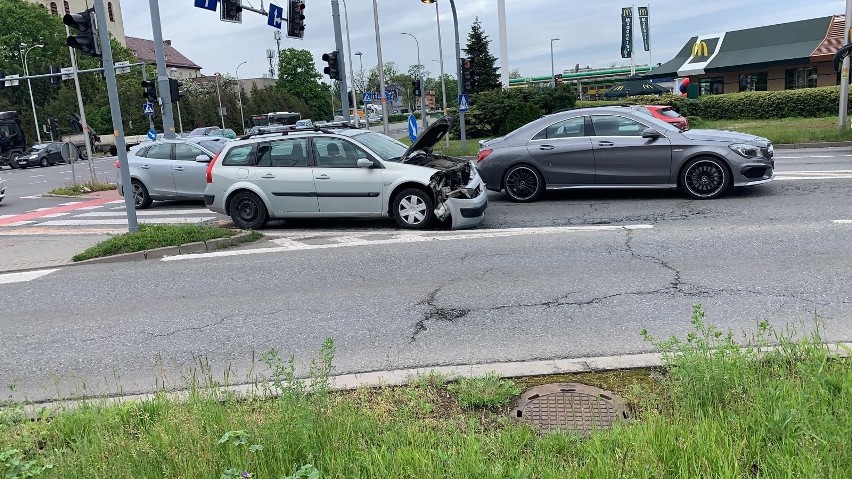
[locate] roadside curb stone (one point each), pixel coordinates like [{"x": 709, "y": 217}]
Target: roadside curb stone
[{"x": 802, "y": 146}]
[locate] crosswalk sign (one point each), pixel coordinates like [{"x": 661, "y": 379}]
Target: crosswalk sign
[
  {"x": 463, "y": 103},
  {"x": 148, "y": 109}
]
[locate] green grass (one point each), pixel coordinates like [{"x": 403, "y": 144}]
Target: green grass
[
  {"x": 81, "y": 188},
  {"x": 719, "y": 410},
  {"x": 785, "y": 130},
  {"x": 489, "y": 391},
  {"x": 156, "y": 236}
]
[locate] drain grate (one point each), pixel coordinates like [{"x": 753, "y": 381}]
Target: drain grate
[{"x": 569, "y": 407}]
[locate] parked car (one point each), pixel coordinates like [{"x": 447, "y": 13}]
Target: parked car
[
  {"x": 345, "y": 173},
  {"x": 169, "y": 169},
  {"x": 213, "y": 131},
  {"x": 358, "y": 122},
  {"x": 607, "y": 147},
  {"x": 42, "y": 154},
  {"x": 304, "y": 124},
  {"x": 665, "y": 113}
]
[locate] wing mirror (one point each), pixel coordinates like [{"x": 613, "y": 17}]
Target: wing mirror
[
  {"x": 202, "y": 159},
  {"x": 651, "y": 133},
  {"x": 364, "y": 163}
]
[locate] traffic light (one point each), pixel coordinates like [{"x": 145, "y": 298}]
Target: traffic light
[
  {"x": 53, "y": 123},
  {"x": 557, "y": 80},
  {"x": 232, "y": 11},
  {"x": 149, "y": 91},
  {"x": 295, "y": 19},
  {"x": 87, "y": 40},
  {"x": 469, "y": 80},
  {"x": 175, "y": 89},
  {"x": 415, "y": 85},
  {"x": 2, "y": 79},
  {"x": 55, "y": 80},
  {"x": 332, "y": 69}
]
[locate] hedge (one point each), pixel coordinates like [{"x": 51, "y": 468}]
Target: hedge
[{"x": 806, "y": 102}]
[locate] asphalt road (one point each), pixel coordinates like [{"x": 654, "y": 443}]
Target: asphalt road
[{"x": 523, "y": 287}]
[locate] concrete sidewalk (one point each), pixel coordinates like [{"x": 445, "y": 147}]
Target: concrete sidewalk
[{"x": 42, "y": 251}]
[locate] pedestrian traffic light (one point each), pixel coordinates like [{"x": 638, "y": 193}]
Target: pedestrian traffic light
[
  {"x": 415, "y": 86},
  {"x": 87, "y": 40},
  {"x": 175, "y": 89},
  {"x": 468, "y": 79},
  {"x": 232, "y": 11},
  {"x": 55, "y": 80},
  {"x": 296, "y": 19},
  {"x": 53, "y": 123},
  {"x": 149, "y": 91},
  {"x": 332, "y": 69}
]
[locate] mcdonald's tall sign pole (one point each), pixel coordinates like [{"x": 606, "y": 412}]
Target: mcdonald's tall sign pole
[{"x": 844, "y": 72}]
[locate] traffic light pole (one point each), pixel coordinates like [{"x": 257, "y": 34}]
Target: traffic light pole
[
  {"x": 115, "y": 111},
  {"x": 86, "y": 138},
  {"x": 150, "y": 117},
  {"x": 459, "y": 73},
  {"x": 341, "y": 63},
  {"x": 162, "y": 76}
]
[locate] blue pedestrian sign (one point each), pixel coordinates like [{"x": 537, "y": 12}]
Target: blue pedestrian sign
[
  {"x": 464, "y": 105},
  {"x": 367, "y": 97},
  {"x": 276, "y": 15},
  {"x": 152, "y": 134},
  {"x": 412, "y": 128},
  {"x": 148, "y": 109},
  {"x": 207, "y": 4},
  {"x": 389, "y": 95}
]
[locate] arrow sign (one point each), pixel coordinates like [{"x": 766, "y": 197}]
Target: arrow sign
[
  {"x": 207, "y": 4},
  {"x": 152, "y": 134},
  {"x": 148, "y": 109},
  {"x": 412, "y": 128},
  {"x": 463, "y": 103},
  {"x": 275, "y": 16}
]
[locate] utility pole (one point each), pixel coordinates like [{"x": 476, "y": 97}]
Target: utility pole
[
  {"x": 86, "y": 139},
  {"x": 115, "y": 111},
  {"x": 504, "y": 44},
  {"x": 382, "y": 69},
  {"x": 844, "y": 72},
  {"x": 351, "y": 68},
  {"x": 341, "y": 63},
  {"x": 459, "y": 74},
  {"x": 162, "y": 76}
]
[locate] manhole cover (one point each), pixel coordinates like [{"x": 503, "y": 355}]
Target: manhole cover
[{"x": 569, "y": 407}]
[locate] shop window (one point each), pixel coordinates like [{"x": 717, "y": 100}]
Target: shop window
[
  {"x": 711, "y": 86},
  {"x": 800, "y": 78},
  {"x": 753, "y": 82}
]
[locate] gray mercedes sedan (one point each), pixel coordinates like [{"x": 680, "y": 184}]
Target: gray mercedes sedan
[{"x": 615, "y": 147}]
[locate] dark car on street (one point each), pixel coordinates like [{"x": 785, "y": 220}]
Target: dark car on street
[
  {"x": 213, "y": 131},
  {"x": 43, "y": 154},
  {"x": 617, "y": 147}
]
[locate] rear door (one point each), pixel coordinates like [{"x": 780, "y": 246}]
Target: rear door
[
  {"x": 623, "y": 157},
  {"x": 342, "y": 187},
  {"x": 54, "y": 153},
  {"x": 282, "y": 171},
  {"x": 189, "y": 175},
  {"x": 563, "y": 150},
  {"x": 155, "y": 170}
]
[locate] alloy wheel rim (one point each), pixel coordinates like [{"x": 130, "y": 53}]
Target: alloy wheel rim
[
  {"x": 138, "y": 195},
  {"x": 522, "y": 183},
  {"x": 412, "y": 209},
  {"x": 705, "y": 178}
]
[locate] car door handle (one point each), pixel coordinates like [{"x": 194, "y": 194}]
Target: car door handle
[
  {"x": 145, "y": 167},
  {"x": 546, "y": 147},
  {"x": 323, "y": 177},
  {"x": 268, "y": 176},
  {"x": 606, "y": 143},
  {"x": 178, "y": 168}
]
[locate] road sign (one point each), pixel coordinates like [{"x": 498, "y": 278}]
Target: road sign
[
  {"x": 11, "y": 80},
  {"x": 122, "y": 67},
  {"x": 464, "y": 104},
  {"x": 67, "y": 73},
  {"x": 412, "y": 128},
  {"x": 388, "y": 95},
  {"x": 207, "y": 4},
  {"x": 69, "y": 152},
  {"x": 275, "y": 16},
  {"x": 367, "y": 97},
  {"x": 148, "y": 109},
  {"x": 152, "y": 134}
]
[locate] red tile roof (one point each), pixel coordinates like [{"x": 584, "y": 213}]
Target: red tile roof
[
  {"x": 833, "y": 40},
  {"x": 144, "y": 51}
]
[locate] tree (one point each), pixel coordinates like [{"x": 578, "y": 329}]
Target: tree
[
  {"x": 390, "y": 71},
  {"x": 298, "y": 76},
  {"x": 484, "y": 63},
  {"x": 516, "y": 73}
]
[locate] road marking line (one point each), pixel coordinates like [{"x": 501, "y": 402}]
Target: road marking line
[
  {"x": 70, "y": 203},
  {"x": 790, "y": 178},
  {"x": 287, "y": 244},
  {"x": 6, "y": 216},
  {"x": 33, "y": 197},
  {"x": 196, "y": 211},
  {"x": 55, "y": 215},
  {"x": 115, "y": 202},
  {"x": 36, "y": 176},
  {"x": 821, "y": 172},
  {"x": 20, "y": 223},
  {"x": 25, "y": 276},
  {"x": 121, "y": 221},
  {"x": 59, "y": 209},
  {"x": 842, "y": 222}
]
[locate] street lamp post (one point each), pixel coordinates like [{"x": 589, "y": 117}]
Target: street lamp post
[
  {"x": 240, "y": 97},
  {"x": 363, "y": 86},
  {"x": 420, "y": 80},
  {"x": 552, "y": 65},
  {"x": 458, "y": 67},
  {"x": 219, "y": 95},
  {"x": 180, "y": 117},
  {"x": 29, "y": 83},
  {"x": 381, "y": 68},
  {"x": 351, "y": 70}
]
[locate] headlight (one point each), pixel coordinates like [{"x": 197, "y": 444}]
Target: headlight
[{"x": 746, "y": 151}]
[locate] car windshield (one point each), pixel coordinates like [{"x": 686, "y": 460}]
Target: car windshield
[
  {"x": 197, "y": 132},
  {"x": 386, "y": 147},
  {"x": 38, "y": 147},
  {"x": 213, "y": 146}
]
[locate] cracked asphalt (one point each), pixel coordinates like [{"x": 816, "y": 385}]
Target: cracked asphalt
[{"x": 767, "y": 253}]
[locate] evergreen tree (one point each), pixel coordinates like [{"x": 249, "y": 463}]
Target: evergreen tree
[{"x": 484, "y": 63}]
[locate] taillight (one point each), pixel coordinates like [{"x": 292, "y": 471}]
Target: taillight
[
  {"x": 117, "y": 164},
  {"x": 210, "y": 169},
  {"x": 482, "y": 155}
]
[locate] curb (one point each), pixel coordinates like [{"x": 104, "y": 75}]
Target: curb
[
  {"x": 802, "y": 146},
  {"x": 159, "y": 253}
]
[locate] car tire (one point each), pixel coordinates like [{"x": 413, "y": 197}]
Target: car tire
[
  {"x": 705, "y": 178},
  {"x": 248, "y": 211},
  {"x": 413, "y": 208},
  {"x": 523, "y": 183},
  {"x": 13, "y": 161},
  {"x": 44, "y": 163},
  {"x": 141, "y": 198}
]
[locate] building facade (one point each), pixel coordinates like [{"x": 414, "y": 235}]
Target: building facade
[
  {"x": 115, "y": 22},
  {"x": 177, "y": 64}
]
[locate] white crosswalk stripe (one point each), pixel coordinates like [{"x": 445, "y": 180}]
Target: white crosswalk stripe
[
  {"x": 813, "y": 175},
  {"x": 842, "y": 222},
  {"x": 9, "y": 278},
  {"x": 101, "y": 214},
  {"x": 121, "y": 221}
]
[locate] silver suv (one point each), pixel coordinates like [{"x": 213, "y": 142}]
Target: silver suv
[{"x": 322, "y": 173}]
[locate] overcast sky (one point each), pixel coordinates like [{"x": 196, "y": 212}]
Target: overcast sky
[{"x": 589, "y": 30}]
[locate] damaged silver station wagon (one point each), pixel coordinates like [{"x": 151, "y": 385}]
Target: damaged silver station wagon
[{"x": 343, "y": 173}]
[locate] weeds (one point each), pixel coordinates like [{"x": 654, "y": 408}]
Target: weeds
[
  {"x": 489, "y": 391},
  {"x": 80, "y": 189}
]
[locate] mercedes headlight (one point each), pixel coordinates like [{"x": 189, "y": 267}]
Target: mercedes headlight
[{"x": 746, "y": 151}]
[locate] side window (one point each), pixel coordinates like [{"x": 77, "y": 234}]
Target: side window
[
  {"x": 284, "y": 153},
  {"x": 163, "y": 151},
  {"x": 570, "y": 128},
  {"x": 187, "y": 152},
  {"x": 610, "y": 125},
  {"x": 239, "y": 156},
  {"x": 337, "y": 153},
  {"x": 142, "y": 152}
]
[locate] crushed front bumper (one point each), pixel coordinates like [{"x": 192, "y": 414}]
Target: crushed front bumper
[{"x": 467, "y": 212}]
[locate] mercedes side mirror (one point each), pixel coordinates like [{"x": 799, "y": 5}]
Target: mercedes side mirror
[
  {"x": 651, "y": 134},
  {"x": 202, "y": 159},
  {"x": 364, "y": 163}
]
